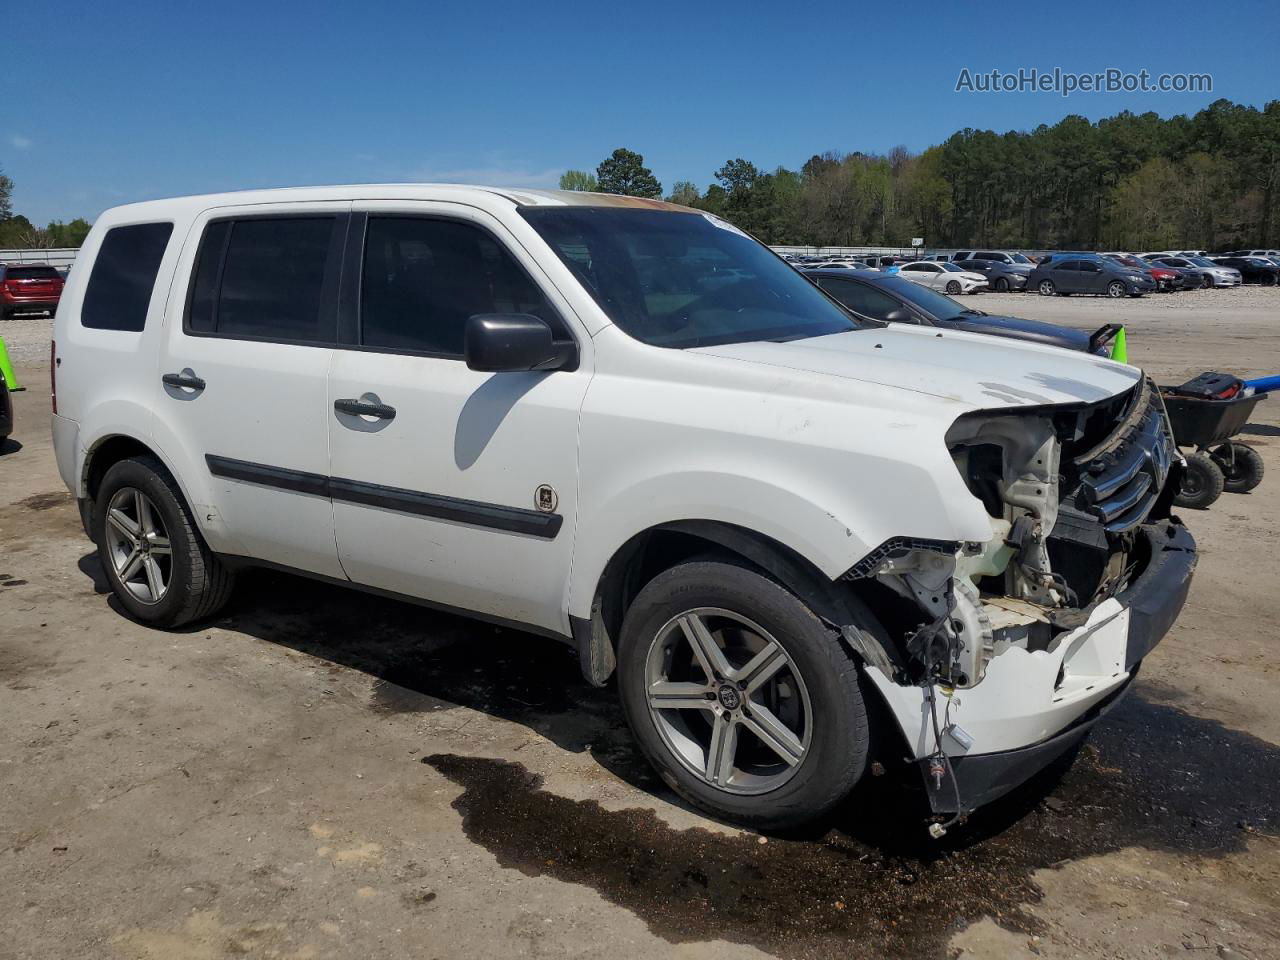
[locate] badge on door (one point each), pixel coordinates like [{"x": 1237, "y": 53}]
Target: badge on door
[{"x": 545, "y": 499}]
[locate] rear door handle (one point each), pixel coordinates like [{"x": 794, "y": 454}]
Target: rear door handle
[
  {"x": 186, "y": 379},
  {"x": 363, "y": 408}
]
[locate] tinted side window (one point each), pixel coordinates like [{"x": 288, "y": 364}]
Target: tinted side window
[
  {"x": 423, "y": 278},
  {"x": 861, "y": 297},
  {"x": 263, "y": 278},
  {"x": 123, "y": 276},
  {"x": 1068, "y": 265}
]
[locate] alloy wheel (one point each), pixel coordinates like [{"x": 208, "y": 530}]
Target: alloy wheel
[
  {"x": 728, "y": 701},
  {"x": 138, "y": 544},
  {"x": 1116, "y": 289},
  {"x": 1046, "y": 288}
]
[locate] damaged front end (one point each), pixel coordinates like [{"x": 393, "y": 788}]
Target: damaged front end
[{"x": 1022, "y": 640}]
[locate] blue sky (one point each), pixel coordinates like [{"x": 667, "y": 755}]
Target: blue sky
[{"x": 113, "y": 103}]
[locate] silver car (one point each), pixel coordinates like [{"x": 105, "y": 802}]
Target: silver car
[{"x": 1209, "y": 273}]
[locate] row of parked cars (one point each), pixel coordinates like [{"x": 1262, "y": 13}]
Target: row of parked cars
[{"x": 1115, "y": 274}]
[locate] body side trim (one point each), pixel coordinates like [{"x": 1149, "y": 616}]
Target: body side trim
[{"x": 493, "y": 516}]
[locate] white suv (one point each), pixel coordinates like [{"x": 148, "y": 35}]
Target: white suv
[{"x": 802, "y": 540}]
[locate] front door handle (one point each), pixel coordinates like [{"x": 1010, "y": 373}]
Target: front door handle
[
  {"x": 364, "y": 408},
  {"x": 186, "y": 380}
]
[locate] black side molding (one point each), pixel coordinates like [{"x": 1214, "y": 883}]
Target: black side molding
[
  {"x": 492, "y": 516},
  {"x": 296, "y": 480}
]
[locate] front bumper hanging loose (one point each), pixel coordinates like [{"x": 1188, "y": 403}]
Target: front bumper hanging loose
[{"x": 1032, "y": 707}]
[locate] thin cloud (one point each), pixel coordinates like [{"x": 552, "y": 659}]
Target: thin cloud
[{"x": 19, "y": 142}]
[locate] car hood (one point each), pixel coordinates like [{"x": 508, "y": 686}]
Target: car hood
[{"x": 980, "y": 371}]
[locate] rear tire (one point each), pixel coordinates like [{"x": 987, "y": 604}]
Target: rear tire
[
  {"x": 1241, "y": 465},
  {"x": 1202, "y": 482},
  {"x": 176, "y": 578},
  {"x": 817, "y": 696}
]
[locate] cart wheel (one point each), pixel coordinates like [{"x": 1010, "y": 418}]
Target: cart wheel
[
  {"x": 1202, "y": 482},
  {"x": 1241, "y": 466}
]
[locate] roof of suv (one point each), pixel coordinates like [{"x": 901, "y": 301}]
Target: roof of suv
[{"x": 458, "y": 192}]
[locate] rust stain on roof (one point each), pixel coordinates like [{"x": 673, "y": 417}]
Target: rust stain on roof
[{"x": 582, "y": 198}]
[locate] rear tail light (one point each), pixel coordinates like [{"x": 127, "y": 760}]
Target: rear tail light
[{"x": 53, "y": 375}]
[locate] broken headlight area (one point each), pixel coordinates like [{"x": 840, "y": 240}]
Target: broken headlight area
[{"x": 1067, "y": 491}]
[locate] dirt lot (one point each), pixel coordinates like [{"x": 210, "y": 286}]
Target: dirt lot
[{"x": 319, "y": 774}]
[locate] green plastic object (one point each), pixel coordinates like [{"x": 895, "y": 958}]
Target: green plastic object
[
  {"x": 1119, "y": 351},
  {"x": 6, "y": 369}
]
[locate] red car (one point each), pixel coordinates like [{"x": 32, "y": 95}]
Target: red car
[
  {"x": 29, "y": 287},
  {"x": 1167, "y": 279}
]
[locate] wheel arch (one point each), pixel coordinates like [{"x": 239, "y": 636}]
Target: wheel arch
[
  {"x": 109, "y": 449},
  {"x": 657, "y": 548}
]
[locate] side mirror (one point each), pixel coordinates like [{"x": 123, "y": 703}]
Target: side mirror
[
  {"x": 509, "y": 342},
  {"x": 900, "y": 315}
]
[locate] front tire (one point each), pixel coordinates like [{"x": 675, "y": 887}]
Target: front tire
[
  {"x": 746, "y": 703},
  {"x": 1206, "y": 282},
  {"x": 1046, "y": 288},
  {"x": 1116, "y": 289},
  {"x": 158, "y": 565},
  {"x": 953, "y": 287},
  {"x": 1002, "y": 285}
]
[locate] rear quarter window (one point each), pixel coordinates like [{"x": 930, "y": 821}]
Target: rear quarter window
[{"x": 123, "y": 276}]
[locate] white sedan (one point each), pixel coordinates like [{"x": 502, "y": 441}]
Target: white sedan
[{"x": 946, "y": 277}]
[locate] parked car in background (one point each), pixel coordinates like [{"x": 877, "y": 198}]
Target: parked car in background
[
  {"x": 1205, "y": 272},
  {"x": 878, "y": 262},
  {"x": 1001, "y": 275},
  {"x": 29, "y": 288},
  {"x": 1252, "y": 269},
  {"x": 1265, "y": 254},
  {"x": 943, "y": 276},
  {"x": 1097, "y": 275},
  {"x": 996, "y": 255},
  {"x": 897, "y": 300},
  {"x": 838, "y": 265},
  {"x": 1167, "y": 279}
]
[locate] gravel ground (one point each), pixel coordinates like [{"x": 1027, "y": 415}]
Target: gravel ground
[{"x": 318, "y": 774}]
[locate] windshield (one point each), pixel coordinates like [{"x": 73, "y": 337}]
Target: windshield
[
  {"x": 1019, "y": 258},
  {"x": 685, "y": 279},
  {"x": 1202, "y": 261},
  {"x": 936, "y": 304}
]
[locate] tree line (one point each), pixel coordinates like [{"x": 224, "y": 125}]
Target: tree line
[
  {"x": 17, "y": 232},
  {"x": 1130, "y": 181}
]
